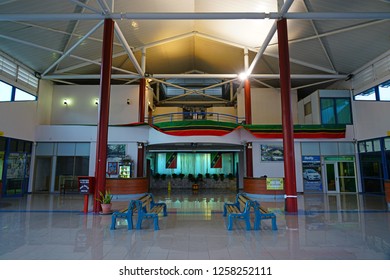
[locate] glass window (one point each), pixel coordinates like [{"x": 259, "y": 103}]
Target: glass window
[
  {"x": 362, "y": 147},
  {"x": 336, "y": 111},
  {"x": 369, "y": 147},
  {"x": 21, "y": 95},
  {"x": 329, "y": 148},
  {"x": 387, "y": 144},
  {"x": 343, "y": 109},
  {"x": 307, "y": 108},
  {"x": 310, "y": 149},
  {"x": 366, "y": 95},
  {"x": 5, "y": 92},
  {"x": 384, "y": 91},
  {"x": 377, "y": 145},
  {"x": 66, "y": 149},
  {"x": 346, "y": 148},
  {"x": 328, "y": 115}
]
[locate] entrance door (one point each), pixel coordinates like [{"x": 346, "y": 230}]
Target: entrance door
[{"x": 340, "y": 177}]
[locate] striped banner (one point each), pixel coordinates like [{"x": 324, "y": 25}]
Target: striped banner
[
  {"x": 171, "y": 160},
  {"x": 216, "y": 160}
]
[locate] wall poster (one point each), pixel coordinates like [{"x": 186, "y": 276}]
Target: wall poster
[
  {"x": 271, "y": 152},
  {"x": 311, "y": 172}
]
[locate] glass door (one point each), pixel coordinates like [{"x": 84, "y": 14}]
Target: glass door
[
  {"x": 331, "y": 178},
  {"x": 347, "y": 178},
  {"x": 340, "y": 177}
]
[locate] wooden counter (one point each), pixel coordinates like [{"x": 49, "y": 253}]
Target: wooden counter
[
  {"x": 127, "y": 186},
  {"x": 259, "y": 186}
]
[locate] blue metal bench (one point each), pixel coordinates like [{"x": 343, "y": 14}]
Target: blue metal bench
[
  {"x": 261, "y": 214},
  {"x": 238, "y": 210},
  {"x": 126, "y": 214},
  {"x": 148, "y": 209}
]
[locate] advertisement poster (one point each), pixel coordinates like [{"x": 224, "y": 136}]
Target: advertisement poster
[
  {"x": 312, "y": 178},
  {"x": 271, "y": 153}
]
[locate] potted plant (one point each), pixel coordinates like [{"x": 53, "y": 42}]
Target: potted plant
[{"x": 105, "y": 201}]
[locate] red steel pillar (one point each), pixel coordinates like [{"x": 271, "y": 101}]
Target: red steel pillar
[
  {"x": 248, "y": 105},
  {"x": 248, "y": 120},
  {"x": 249, "y": 159},
  {"x": 141, "y": 107},
  {"x": 102, "y": 134},
  {"x": 287, "y": 120},
  {"x": 140, "y": 159}
]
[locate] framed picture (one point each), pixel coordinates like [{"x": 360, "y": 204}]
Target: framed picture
[
  {"x": 112, "y": 168},
  {"x": 271, "y": 153}
]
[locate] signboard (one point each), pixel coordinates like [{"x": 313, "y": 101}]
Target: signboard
[
  {"x": 86, "y": 185},
  {"x": 312, "y": 179},
  {"x": 339, "y": 158},
  {"x": 275, "y": 184}
]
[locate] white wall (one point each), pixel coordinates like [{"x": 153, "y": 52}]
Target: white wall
[
  {"x": 45, "y": 99},
  {"x": 82, "y": 109},
  {"x": 276, "y": 168},
  {"x": 18, "y": 119},
  {"x": 266, "y": 106},
  {"x": 371, "y": 119}
]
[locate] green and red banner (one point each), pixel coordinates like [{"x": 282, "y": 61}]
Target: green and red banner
[{"x": 214, "y": 128}]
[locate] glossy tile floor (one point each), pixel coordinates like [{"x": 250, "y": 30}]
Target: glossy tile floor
[{"x": 326, "y": 227}]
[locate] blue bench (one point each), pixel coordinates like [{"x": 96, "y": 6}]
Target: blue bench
[
  {"x": 261, "y": 214},
  {"x": 240, "y": 209},
  {"x": 148, "y": 209},
  {"x": 124, "y": 214}
]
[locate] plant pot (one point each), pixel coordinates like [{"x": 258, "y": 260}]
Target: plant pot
[{"x": 106, "y": 208}]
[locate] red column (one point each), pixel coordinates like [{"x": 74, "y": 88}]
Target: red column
[
  {"x": 248, "y": 107},
  {"x": 140, "y": 159},
  {"x": 105, "y": 87},
  {"x": 141, "y": 109},
  {"x": 287, "y": 120},
  {"x": 249, "y": 160}
]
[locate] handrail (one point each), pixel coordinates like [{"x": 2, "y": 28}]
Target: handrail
[{"x": 194, "y": 116}]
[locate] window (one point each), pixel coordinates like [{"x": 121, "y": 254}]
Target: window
[
  {"x": 384, "y": 91},
  {"x": 377, "y": 93},
  {"x": 307, "y": 108},
  {"x": 9, "y": 93},
  {"x": 336, "y": 111},
  {"x": 21, "y": 95},
  {"x": 366, "y": 95},
  {"x": 5, "y": 92}
]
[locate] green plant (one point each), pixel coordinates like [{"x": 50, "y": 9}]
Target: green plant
[
  {"x": 208, "y": 176},
  {"x": 215, "y": 177},
  {"x": 163, "y": 176},
  {"x": 104, "y": 198},
  {"x": 221, "y": 177},
  {"x": 174, "y": 176},
  {"x": 231, "y": 176},
  {"x": 200, "y": 177},
  {"x": 181, "y": 176},
  {"x": 157, "y": 176},
  {"x": 191, "y": 178}
]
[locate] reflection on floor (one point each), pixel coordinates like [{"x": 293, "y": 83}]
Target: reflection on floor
[{"x": 343, "y": 226}]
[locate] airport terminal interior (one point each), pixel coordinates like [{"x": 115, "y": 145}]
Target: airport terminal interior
[{"x": 280, "y": 104}]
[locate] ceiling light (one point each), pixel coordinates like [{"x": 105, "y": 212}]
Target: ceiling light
[
  {"x": 243, "y": 76},
  {"x": 134, "y": 24}
]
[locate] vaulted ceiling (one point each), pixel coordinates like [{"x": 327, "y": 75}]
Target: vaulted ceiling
[{"x": 174, "y": 39}]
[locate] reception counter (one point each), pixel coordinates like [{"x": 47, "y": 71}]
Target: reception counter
[
  {"x": 127, "y": 185},
  {"x": 259, "y": 186}
]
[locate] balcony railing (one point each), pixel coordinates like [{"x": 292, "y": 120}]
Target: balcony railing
[{"x": 194, "y": 116}]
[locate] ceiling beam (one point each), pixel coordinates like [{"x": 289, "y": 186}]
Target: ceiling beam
[
  {"x": 196, "y": 76},
  {"x": 197, "y": 16},
  {"x": 127, "y": 48},
  {"x": 64, "y": 55}
]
